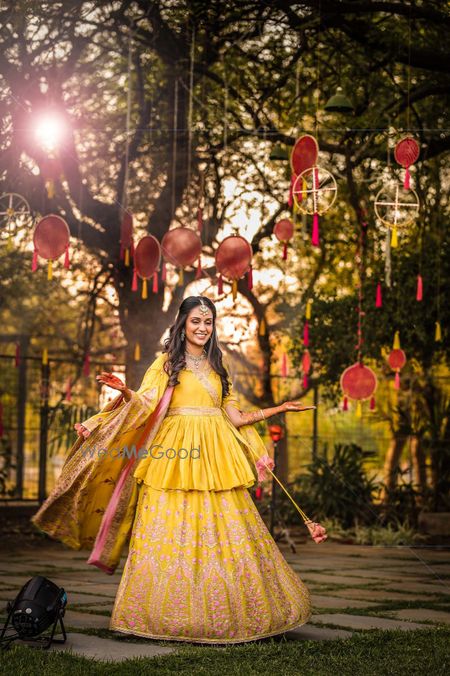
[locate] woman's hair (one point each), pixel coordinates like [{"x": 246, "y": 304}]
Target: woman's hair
[{"x": 175, "y": 346}]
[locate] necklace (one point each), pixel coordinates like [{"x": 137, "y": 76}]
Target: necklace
[{"x": 194, "y": 360}]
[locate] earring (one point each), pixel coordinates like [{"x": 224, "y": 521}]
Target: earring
[{"x": 182, "y": 334}]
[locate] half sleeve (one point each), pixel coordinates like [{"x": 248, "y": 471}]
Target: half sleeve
[{"x": 231, "y": 397}]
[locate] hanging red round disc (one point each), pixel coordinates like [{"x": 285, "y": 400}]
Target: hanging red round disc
[
  {"x": 51, "y": 236},
  {"x": 358, "y": 382},
  {"x": 147, "y": 256},
  {"x": 126, "y": 230},
  {"x": 304, "y": 154},
  {"x": 284, "y": 230},
  {"x": 233, "y": 257},
  {"x": 407, "y": 151},
  {"x": 396, "y": 359},
  {"x": 181, "y": 246}
]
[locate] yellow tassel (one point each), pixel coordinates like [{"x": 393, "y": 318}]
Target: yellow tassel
[
  {"x": 137, "y": 352},
  {"x": 304, "y": 186},
  {"x": 144, "y": 289},
  {"x": 438, "y": 332},
  {"x": 127, "y": 257},
  {"x": 50, "y": 185},
  {"x": 234, "y": 289},
  {"x": 45, "y": 356},
  {"x": 50, "y": 270},
  {"x": 308, "y": 309},
  {"x": 181, "y": 277},
  {"x": 396, "y": 345},
  {"x": 394, "y": 238},
  {"x": 358, "y": 410},
  {"x": 262, "y": 328}
]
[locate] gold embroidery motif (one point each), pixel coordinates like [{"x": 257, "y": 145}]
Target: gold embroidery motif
[{"x": 194, "y": 410}]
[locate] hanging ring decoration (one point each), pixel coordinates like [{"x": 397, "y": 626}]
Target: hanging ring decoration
[
  {"x": 15, "y": 213},
  {"x": 396, "y": 207}
]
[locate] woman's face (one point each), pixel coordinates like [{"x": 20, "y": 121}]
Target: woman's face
[{"x": 199, "y": 326}]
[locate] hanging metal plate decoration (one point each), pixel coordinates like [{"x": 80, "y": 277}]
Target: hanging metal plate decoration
[
  {"x": 51, "y": 237},
  {"x": 284, "y": 230},
  {"x": 396, "y": 359},
  {"x": 304, "y": 154},
  {"x": 147, "y": 256},
  {"x": 181, "y": 246},
  {"x": 359, "y": 382},
  {"x": 233, "y": 257},
  {"x": 314, "y": 190},
  {"x": 396, "y": 206},
  {"x": 406, "y": 153},
  {"x": 15, "y": 213}
]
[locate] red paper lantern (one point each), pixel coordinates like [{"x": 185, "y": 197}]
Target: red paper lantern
[
  {"x": 304, "y": 154},
  {"x": 396, "y": 360},
  {"x": 407, "y": 153},
  {"x": 284, "y": 231},
  {"x": 147, "y": 257},
  {"x": 181, "y": 246},
  {"x": 126, "y": 237},
  {"x": 51, "y": 239},
  {"x": 233, "y": 257},
  {"x": 358, "y": 382}
]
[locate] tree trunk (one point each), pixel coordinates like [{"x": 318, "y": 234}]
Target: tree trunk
[
  {"x": 391, "y": 463},
  {"x": 418, "y": 463}
]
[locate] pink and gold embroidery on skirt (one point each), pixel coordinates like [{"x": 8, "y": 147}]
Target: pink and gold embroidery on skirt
[{"x": 203, "y": 567}]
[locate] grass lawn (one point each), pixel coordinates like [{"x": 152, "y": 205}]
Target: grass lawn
[{"x": 374, "y": 653}]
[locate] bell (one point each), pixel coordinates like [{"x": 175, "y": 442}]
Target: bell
[
  {"x": 278, "y": 153},
  {"x": 339, "y": 103}
]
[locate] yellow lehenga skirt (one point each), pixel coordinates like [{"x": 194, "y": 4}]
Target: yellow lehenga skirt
[{"x": 202, "y": 565}]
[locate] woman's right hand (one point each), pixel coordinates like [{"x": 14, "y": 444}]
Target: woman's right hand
[
  {"x": 112, "y": 381},
  {"x": 82, "y": 431}
]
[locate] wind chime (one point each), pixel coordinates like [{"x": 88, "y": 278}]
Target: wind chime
[
  {"x": 358, "y": 381},
  {"x": 314, "y": 190}
]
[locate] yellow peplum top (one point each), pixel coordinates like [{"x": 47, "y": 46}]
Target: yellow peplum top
[{"x": 195, "y": 447}]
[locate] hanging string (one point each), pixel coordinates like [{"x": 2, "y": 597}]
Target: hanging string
[
  {"x": 408, "y": 88},
  {"x": 225, "y": 105},
  {"x": 318, "y": 75},
  {"x": 124, "y": 200},
  {"x": 174, "y": 148},
  {"x": 190, "y": 106}
]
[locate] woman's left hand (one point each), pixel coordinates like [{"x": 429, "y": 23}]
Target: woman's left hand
[{"x": 295, "y": 406}]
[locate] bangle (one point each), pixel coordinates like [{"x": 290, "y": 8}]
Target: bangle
[{"x": 262, "y": 413}]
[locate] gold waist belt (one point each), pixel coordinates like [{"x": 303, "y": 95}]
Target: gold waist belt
[{"x": 194, "y": 410}]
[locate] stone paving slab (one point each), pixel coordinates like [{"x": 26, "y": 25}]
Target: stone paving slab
[
  {"x": 423, "y": 614},
  {"x": 364, "y": 622},
  {"x": 379, "y": 596},
  {"x": 74, "y": 618},
  {"x": 332, "y": 579},
  {"x": 310, "y": 633},
  {"x": 437, "y": 588},
  {"x": 322, "y": 601},
  {"x": 108, "y": 649}
]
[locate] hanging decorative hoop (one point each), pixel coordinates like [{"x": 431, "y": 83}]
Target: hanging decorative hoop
[
  {"x": 147, "y": 256},
  {"x": 284, "y": 230},
  {"x": 51, "y": 237},
  {"x": 406, "y": 153},
  {"x": 359, "y": 382},
  {"x": 314, "y": 190},
  {"x": 304, "y": 154},
  {"x": 126, "y": 230},
  {"x": 181, "y": 246},
  {"x": 396, "y": 207},
  {"x": 15, "y": 213}
]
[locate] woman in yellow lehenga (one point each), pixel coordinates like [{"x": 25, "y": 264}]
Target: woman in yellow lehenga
[{"x": 168, "y": 467}]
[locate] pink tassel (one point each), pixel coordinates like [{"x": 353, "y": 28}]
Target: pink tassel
[
  {"x": 87, "y": 365},
  {"x": 284, "y": 369},
  {"x": 285, "y": 251},
  {"x": 315, "y": 231},
  {"x": 407, "y": 177},
  {"x": 155, "y": 282},
  {"x": 220, "y": 285},
  {"x": 379, "y": 299},
  {"x": 134, "y": 285},
  {"x": 345, "y": 404},
  {"x": 198, "y": 274},
  {"x": 34, "y": 265},
  {"x": 250, "y": 278},
  {"x": 419, "y": 294},
  {"x": 163, "y": 272},
  {"x": 306, "y": 334},
  {"x": 397, "y": 380},
  {"x": 17, "y": 355},
  {"x": 199, "y": 219},
  {"x": 372, "y": 404},
  {"x": 258, "y": 493},
  {"x": 66, "y": 258},
  {"x": 291, "y": 193},
  {"x": 305, "y": 382}
]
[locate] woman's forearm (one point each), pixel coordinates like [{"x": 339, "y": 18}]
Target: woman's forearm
[
  {"x": 127, "y": 394},
  {"x": 249, "y": 418}
]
